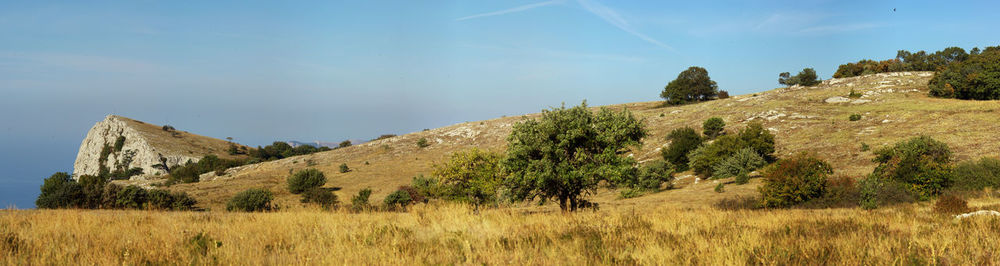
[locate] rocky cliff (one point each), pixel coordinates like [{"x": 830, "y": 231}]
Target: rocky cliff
[{"x": 128, "y": 147}]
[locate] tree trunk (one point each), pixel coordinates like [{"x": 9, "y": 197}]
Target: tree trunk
[
  {"x": 573, "y": 204},
  {"x": 562, "y": 204}
]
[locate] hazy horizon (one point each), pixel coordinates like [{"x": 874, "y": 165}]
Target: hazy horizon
[{"x": 330, "y": 71}]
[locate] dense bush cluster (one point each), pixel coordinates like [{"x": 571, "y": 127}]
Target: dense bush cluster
[
  {"x": 977, "y": 78},
  {"x": 472, "y": 176},
  {"x": 691, "y": 85},
  {"x": 807, "y": 77},
  {"x": 977, "y": 175},
  {"x": 705, "y": 158},
  {"x": 906, "y": 61},
  {"x": 93, "y": 192},
  {"x": 281, "y": 150},
  {"x": 794, "y": 180},
  {"x": 191, "y": 171},
  {"x": 251, "y": 200}
]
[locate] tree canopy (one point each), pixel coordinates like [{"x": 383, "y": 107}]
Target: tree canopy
[
  {"x": 568, "y": 151},
  {"x": 691, "y": 85}
]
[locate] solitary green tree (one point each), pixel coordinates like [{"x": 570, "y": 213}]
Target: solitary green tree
[
  {"x": 568, "y": 152},
  {"x": 691, "y": 85}
]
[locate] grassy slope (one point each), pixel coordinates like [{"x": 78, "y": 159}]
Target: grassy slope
[
  {"x": 185, "y": 143},
  {"x": 799, "y": 118}
]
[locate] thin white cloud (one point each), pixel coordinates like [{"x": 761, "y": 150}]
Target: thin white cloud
[
  {"x": 840, "y": 28},
  {"x": 609, "y": 15},
  {"x": 78, "y": 62},
  {"x": 511, "y": 10}
]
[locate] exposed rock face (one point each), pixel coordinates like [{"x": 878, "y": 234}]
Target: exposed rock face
[{"x": 134, "y": 151}]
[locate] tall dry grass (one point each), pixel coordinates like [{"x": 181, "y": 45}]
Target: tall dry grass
[{"x": 453, "y": 234}]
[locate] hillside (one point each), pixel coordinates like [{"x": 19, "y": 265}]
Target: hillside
[
  {"x": 145, "y": 146},
  {"x": 894, "y": 106}
]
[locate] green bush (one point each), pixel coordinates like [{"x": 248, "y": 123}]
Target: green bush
[
  {"x": 360, "y": 201},
  {"x": 794, "y": 180},
  {"x": 865, "y": 147},
  {"x": 920, "y": 162},
  {"x": 977, "y": 78},
  {"x": 119, "y": 143},
  {"x": 191, "y": 172},
  {"x": 428, "y": 187},
  {"x": 723, "y": 95},
  {"x": 841, "y": 192},
  {"x": 869, "y": 190},
  {"x": 652, "y": 176},
  {"x": 251, "y": 200},
  {"x": 719, "y": 188},
  {"x": 344, "y": 168},
  {"x": 344, "y": 144},
  {"x": 682, "y": 142},
  {"x": 629, "y": 193},
  {"x": 305, "y": 179},
  {"x": 398, "y": 199},
  {"x": 977, "y": 175},
  {"x": 160, "y": 199},
  {"x": 319, "y": 196},
  {"x": 713, "y": 127},
  {"x": 472, "y": 176},
  {"x": 742, "y": 179},
  {"x": 742, "y": 162},
  {"x": 854, "y": 95},
  {"x": 704, "y": 159},
  {"x": 422, "y": 143},
  {"x": 807, "y": 77},
  {"x": 182, "y": 202},
  {"x": 60, "y": 191},
  {"x": 132, "y": 197}
]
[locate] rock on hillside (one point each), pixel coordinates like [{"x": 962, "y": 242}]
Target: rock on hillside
[{"x": 120, "y": 143}]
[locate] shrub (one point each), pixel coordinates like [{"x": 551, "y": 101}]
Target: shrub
[
  {"x": 384, "y": 136},
  {"x": 398, "y": 199},
  {"x": 182, "y": 202},
  {"x": 251, "y": 200},
  {"x": 305, "y": 179},
  {"x": 109, "y": 199},
  {"x": 119, "y": 143},
  {"x": 742, "y": 162},
  {"x": 719, "y": 187},
  {"x": 737, "y": 203},
  {"x": 977, "y": 175},
  {"x": 629, "y": 193},
  {"x": 132, "y": 197},
  {"x": 875, "y": 192},
  {"x": 691, "y": 85},
  {"x": 682, "y": 142},
  {"x": 865, "y": 147},
  {"x": 922, "y": 163},
  {"x": 428, "y": 187},
  {"x": 344, "y": 168},
  {"x": 794, "y": 180},
  {"x": 168, "y": 128},
  {"x": 651, "y": 176},
  {"x": 760, "y": 139},
  {"x": 360, "y": 201},
  {"x": 320, "y": 196},
  {"x": 841, "y": 192},
  {"x": 854, "y": 117},
  {"x": 854, "y": 95},
  {"x": 422, "y": 143},
  {"x": 713, "y": 127},
  {"x": 951, "y": 204},
  {"x": 977, "y": 78},
  {"x": 868, "y": 193},
  {"x": 344, "y": 144},
  {"x": 704, "y": 159},
  {"x": 723, "y": 95},
  {"x": 415, "y": 196},
  {"x": 742, "y": 178},
  {"x": 160, "y": 199},
  {"x": 201, "y": 243}
]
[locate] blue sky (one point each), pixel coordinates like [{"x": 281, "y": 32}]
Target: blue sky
[{"x": 334, "y": 70}]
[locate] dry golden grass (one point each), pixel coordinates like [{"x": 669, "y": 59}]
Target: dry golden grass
[
  {"x": 184, "y": 143},
  {"x": 453, "y": 234}
]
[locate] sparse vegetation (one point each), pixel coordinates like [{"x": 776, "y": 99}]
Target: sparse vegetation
[
  {"x": 251, "y": 200},
  {"x": 691, "y": 85},
  {"x": 977, "y": 175},
  {"x": 360, "y": 201},
  {"x": 343, "y": 168},
  {"x": 854, "y": 117},
  {"x": 422, "y": 143}
]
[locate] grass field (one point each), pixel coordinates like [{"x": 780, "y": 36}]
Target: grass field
[{"x": 453, "y": 234}]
